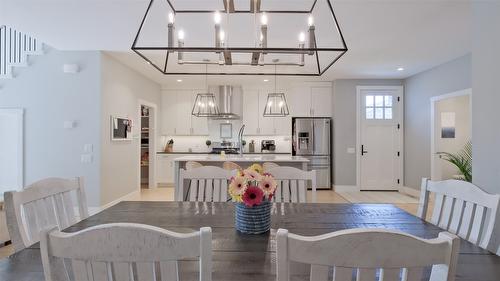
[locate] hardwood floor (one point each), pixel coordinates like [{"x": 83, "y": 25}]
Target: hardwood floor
[{"x": 402, "y": 201}]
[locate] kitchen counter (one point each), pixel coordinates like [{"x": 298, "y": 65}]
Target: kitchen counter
[
  {"x": 247, "y": 158},
  {"x": 244, "y": 153},
  {"x": 244, "y": 161}
]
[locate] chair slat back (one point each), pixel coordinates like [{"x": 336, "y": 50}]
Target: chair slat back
[
  {"x": 463, "y": 209},
  {"x": 368, "y": 254},
  {"x": 116, "y": 252},
  {"x": 205, "y": 184},
  {"x": 267, "y": 166},
  {"x": 49, "y": 202},
  {"x": 292, "y": 184}
]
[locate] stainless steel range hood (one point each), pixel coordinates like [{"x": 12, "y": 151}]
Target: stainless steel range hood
[{"x": 230, "y": 101}]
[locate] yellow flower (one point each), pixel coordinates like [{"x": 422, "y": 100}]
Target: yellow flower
[
  {"x": 237, "y": 198},
  {"x": 257, "y": 167}
]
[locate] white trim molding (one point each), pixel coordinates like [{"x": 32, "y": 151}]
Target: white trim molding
[
  {"x": 346, "y": 188},
  {"x": 409, "y": 191},
  {"x": 95, "y": 210},
  {"x": 434, "y": 100}
]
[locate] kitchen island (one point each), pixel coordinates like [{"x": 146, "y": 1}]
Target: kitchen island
[{"x": 244, "y": 161}]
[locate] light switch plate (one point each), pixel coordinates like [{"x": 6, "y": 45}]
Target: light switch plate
[
  {"x": 69, "y": 124},
  {"x": 88, "y": 148},
  {"x": 86, "y": 158},
  {"x": 351, "y": 150}
]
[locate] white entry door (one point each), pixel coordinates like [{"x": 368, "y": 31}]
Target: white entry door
[
  {"x": 380, "y": 131},
  {"x": 11, "y": 150}
]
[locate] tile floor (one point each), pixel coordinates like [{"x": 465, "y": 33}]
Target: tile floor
[{"x": 404, "y": 202}]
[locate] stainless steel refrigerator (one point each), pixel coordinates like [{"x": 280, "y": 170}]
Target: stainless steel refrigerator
[{"x": 312, "y": 139}]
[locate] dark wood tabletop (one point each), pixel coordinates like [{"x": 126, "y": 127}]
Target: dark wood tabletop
[{"x": 252, "y": 257}]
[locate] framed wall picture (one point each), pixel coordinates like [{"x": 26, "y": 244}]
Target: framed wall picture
[
  {"x": 121, "y": 128},
  {"x": 448, "y": 125}
]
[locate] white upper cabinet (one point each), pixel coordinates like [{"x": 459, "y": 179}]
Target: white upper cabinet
[
  {"x": 168, "y": 112},
  {"x": 183, "y": 112},
  {"x": 321, "y": 101},
  {"x": 266, "y": 124},
  {"x": 299, "y": 101},
  {"x": 176, "y": 114},
  {"x": 250, "y": 112}
]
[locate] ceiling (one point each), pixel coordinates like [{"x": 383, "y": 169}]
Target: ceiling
[{"x": 382, "y": 35}]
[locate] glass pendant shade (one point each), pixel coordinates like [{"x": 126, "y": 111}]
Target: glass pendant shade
[
  {"x": 276, "y": 105},
  {"x": 205, "y": 105}
]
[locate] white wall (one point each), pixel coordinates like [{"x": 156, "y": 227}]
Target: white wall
[
  {"x": 486, "y": 95},
  {"x": 121, "y": 90},
  {"x": 50, "y": 97},
  {"x": 443, "y": 79}
]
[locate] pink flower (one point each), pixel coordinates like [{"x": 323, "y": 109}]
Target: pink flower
[
  {"x": 267, "y": 184},
  {"x": 237, "y": 186},
  {"x": 252, "y": 175},
  {"x": 253, "y": 196}
]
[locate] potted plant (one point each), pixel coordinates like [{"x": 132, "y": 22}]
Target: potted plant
[
  {"x": 253, "y": 190},
  {"x": 462, "y": 160}
]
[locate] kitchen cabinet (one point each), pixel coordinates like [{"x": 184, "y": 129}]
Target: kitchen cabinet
[
  {"x": 266, "y": 124},
  {"x": 299, "y": 101},
  {"x": 168, "y": 112},
  {"x": 176, "y": 117},
  {"x": 321, "y": 101},
  {"x": 250, "y": 111}
]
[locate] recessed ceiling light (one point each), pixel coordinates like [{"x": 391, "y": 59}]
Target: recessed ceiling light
[
  {"x": 266, "y": 80},
  {"x": 400, "y": 69},
  {"x": 179, "y": 80}
]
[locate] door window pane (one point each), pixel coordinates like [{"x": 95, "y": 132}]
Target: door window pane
[
  {"x": 379, "y": 100},
  {"x": 379, "y": 113},
  {"x": 369, "y": 100},
  {"x": 388, "y": 101},
  {"x": 388, "y": 113},
  {"x": 369, "y": 113}
]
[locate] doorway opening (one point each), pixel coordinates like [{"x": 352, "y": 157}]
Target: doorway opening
[
  {"x": 380, "y": 137},
  {"x": 11, "y": 149},
  {"x": 147, "y": 145},
  {"x": 450, "y": 131}
]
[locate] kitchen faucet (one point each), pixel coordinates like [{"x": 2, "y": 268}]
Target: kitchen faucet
[{"x": 240, "y": 139}]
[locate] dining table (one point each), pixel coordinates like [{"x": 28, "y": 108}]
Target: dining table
[{"x": 238, "y": 256}]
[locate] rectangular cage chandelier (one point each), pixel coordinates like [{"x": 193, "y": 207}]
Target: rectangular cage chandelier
[{"x": 240, "y": 37}]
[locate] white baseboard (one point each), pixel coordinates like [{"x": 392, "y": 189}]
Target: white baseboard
[
  {"x": 95, "y": 210},
  {"x": 346, "y": 188},
  {"x": 410, "y": 191}
]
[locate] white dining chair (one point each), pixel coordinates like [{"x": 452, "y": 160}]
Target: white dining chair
[
  {"x": 48, "y": 202},
  {"x": 205, "y": 184},
  {"x": 367, "y": 253},
  {"x": 123, "y": 251},
  {"x": 464, "y": 209},
  {"x": 269, "y": 165},
  {"x": 292, "y": 184},
  {"x": 228, "y": 165}
]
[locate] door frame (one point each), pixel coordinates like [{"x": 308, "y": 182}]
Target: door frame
[
  {"x": 400, "y": 120},
  {"x": 434, "y": 100},
  {"x": 18, "y": 112},
  {"x": 153, "y": 136}
]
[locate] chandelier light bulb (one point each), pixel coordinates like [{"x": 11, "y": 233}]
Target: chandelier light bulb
[
  {"x": 222, "y": 35},
  {"x": 310, "y": 20},
  {"x": 302, "y": 37},
  {"x": 263, "y": 19},
  {"x": 171, "y": 18},
  {"x": 261, "y": 37},
  {"x": 217, "y": 17},
  {"x": 181, "y": 35}
]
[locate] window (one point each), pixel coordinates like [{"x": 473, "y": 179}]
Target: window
[{"x": 379, "y": 107}]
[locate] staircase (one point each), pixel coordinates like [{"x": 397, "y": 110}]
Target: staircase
[{"x": 15, "y": 47}]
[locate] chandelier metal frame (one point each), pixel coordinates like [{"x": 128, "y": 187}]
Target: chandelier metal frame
[{"x": 225, "y": 52}]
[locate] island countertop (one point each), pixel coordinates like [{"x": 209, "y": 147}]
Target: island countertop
[{"x": 244, "y": 158}]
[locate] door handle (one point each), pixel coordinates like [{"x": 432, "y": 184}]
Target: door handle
[{"x": 363, "y": 151}]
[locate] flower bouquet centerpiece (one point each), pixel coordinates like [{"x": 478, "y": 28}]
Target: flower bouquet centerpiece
[{"x": 252, "y": 190}]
